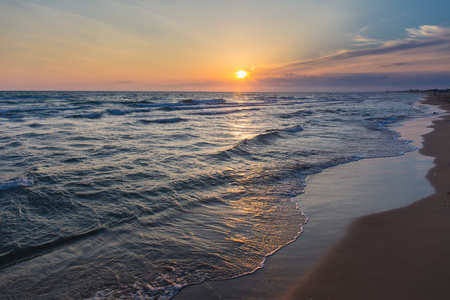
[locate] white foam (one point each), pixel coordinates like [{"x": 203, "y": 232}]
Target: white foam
[
  {"x": 296, "y": 128},
  {"x": 24, "y": 181}
]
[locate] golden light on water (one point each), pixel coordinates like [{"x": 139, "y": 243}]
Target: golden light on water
[{"x": 241, "y": 74}]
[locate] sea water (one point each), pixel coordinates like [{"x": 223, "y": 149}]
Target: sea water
[{"x": 106, "y": 195}]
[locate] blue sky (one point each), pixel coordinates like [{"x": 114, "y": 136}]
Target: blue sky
[{"x": 284, "y": 45}]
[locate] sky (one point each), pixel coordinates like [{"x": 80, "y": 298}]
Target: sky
[{"x": 199, "y": 45}]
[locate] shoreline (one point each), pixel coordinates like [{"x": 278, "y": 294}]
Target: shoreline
[
  {"x": 395, "y": 254},
  {"x": 289, "y": 265}
]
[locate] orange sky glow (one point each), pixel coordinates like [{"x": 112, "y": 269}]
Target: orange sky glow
[{"x": 283, "y": 45}]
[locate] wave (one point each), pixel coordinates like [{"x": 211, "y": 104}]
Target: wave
[
  {"x": 143, "y": 104},
  {"x": 35, "y": 97},
  {"x": 163, "y": 121},
  {"x": 226, "y": 112},
  {"x": 314, "y": 168},
  {"x": 296, "y": 114},
  {"x": 89, "y": 102},
  {"x": 164, "y": 287},
  {"x": 199, "y": 102},
  {"x": 244, "y": 147},
  {"x": 168, "y": 285},
  {"x": 86, "y": 108},
  {"x": 382, "y": 123},
  {"x": 39, "y": 111},
  {"x": 192, "y": 104},
  {"x": 24, "y": 181},
  {"x": 182, "y": 104},
  {"x": 206, "y": 180},
  {"x": 121, "y": 112},
  {"x": 118, "y": 112},
  {"x": 94, "y": 115},
  {"x": 17, "y": 253},
  {"x": 295, "y": 128},
  {"x": 27, "y": 109}
]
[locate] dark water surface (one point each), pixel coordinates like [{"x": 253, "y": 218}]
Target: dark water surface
[{"x": 137, "y": 194}]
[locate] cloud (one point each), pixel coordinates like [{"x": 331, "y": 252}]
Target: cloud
[
  {"x": 425, "y": 31},
  {"x": 420, "y": 60},
  {"x": 362, "y": 40},
  {"x": 393, "y": 65},
  {"x": 356, "y": 82},
  {"x": 422, "y": 55}
]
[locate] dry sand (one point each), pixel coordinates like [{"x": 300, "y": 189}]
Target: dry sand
[{"x": 398, "y": 254}]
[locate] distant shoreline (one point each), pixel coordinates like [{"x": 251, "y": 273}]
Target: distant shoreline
[{"x": 427, "y": 91}]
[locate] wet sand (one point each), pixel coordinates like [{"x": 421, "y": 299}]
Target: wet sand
[
  {"x": 397, "y": 254},
  {"x": 361, "y": 188}
]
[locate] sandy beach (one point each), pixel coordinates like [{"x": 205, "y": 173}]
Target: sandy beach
[
  {"x": 355, "y": 190},
  {"x": 397, "y": 254}
]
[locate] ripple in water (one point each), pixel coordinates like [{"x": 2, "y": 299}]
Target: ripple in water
[{"x": 118, "y": 194}]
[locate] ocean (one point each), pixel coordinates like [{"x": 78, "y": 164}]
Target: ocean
[{"x": 136, "y": 195}]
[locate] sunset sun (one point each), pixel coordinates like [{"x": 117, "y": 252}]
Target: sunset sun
[{"x": 241, "y": 74}]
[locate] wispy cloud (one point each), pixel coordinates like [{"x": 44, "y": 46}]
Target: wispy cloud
[
  {"x": 427, "y": 31},
  {"x": 361, "y": 40},
  {"x": 423, "y": 53}
]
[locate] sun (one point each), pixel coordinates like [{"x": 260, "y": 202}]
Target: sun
[{"x": 241, "y": 74}]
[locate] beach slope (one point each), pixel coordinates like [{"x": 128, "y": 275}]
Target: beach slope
[{"x": 397, "y": 254}]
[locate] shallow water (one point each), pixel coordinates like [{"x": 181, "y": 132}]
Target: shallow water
[{"x": 139, "y": 194}]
